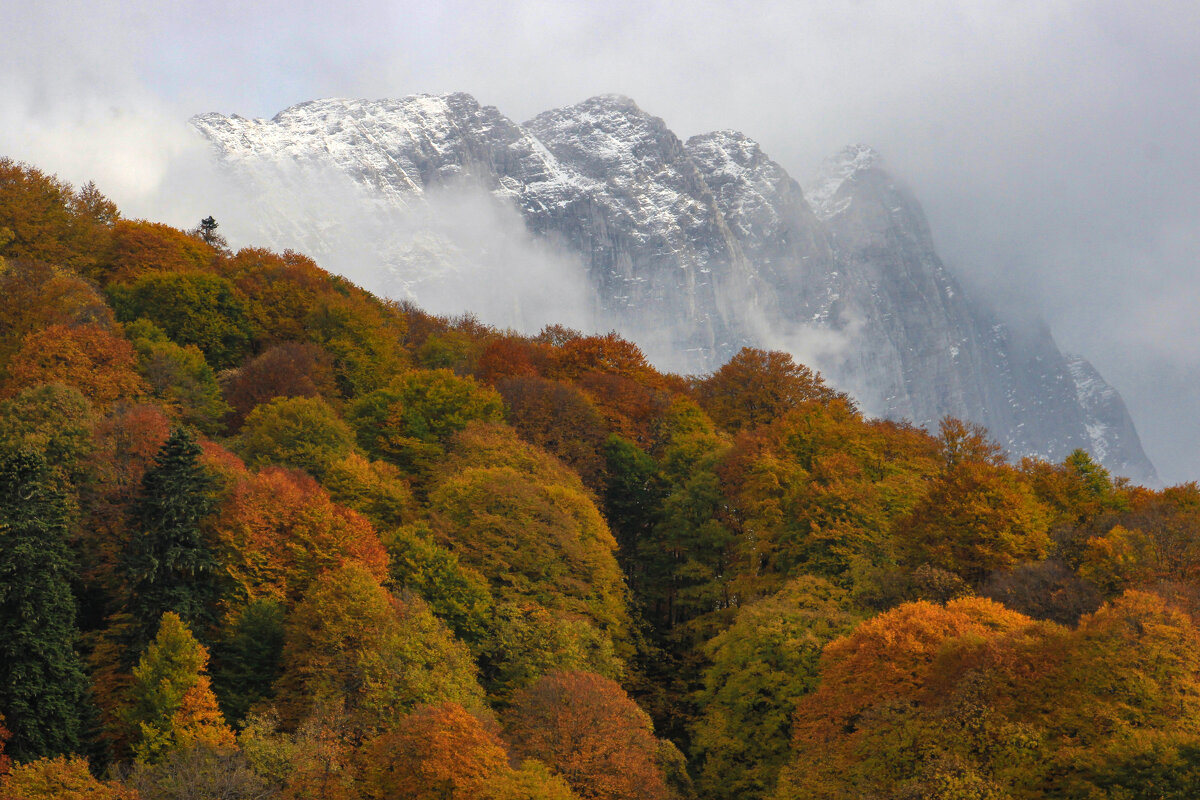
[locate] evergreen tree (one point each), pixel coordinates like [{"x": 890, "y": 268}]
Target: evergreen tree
[
  {"x": 632, "y": 497},
  {"x": 42, "y": 686},
  {"x": 208, "y": 229},
  {"x": 169, "y": 563},
  {"x": 247, "y": 658}
]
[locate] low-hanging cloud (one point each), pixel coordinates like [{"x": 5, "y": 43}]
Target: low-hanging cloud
[{"x": 452, "y": 249}]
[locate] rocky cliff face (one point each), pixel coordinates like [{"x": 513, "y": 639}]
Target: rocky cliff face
[
  {"x": 651, "y": 235},
  {"x": 696, "y": 248}
]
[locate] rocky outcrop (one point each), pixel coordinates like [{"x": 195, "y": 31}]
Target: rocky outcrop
[{"x": 1112, "y": 438}]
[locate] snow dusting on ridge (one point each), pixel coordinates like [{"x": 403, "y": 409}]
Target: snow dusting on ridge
[{"x": 823, "y": 192}]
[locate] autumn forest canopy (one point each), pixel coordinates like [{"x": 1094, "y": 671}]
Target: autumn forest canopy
[{"x": 266, "y": 535}]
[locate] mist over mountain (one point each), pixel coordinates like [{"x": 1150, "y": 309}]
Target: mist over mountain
[{"x": 599, "y": 216}]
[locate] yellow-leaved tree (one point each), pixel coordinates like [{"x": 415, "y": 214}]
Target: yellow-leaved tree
[{"x": 172, "y": 703}]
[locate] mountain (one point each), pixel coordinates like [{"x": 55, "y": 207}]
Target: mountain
[{"x": 693, "y": 249}]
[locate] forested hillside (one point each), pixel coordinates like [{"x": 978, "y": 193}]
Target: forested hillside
[{"x": 265, "y": 535}]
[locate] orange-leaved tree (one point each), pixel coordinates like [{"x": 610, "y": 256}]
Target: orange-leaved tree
[
  {"x": 442, "y": 752},
  {"x": 979, "y": 514},
  {"x": 589, "y": 731},
  {"x": 43, "y": 219},
  {"x": 281, "y": 289},
  {"x": 5, "y": 760},
  {"x": 90, "y": 358},
  {"x": 869, "y": 720},
  {"x": 37, "y": 295},
  {"x": 438, "y": 751},
  {"x": 140, "y": 247},
  {"x": 971, "y": 700},
  {"x": 757, "y": 386},
  {"x": 279, "y": 530}
]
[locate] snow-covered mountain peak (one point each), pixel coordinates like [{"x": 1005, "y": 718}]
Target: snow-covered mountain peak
[
  {"x": 752, "y": 190},
  {"x": 601, "y": 105},
  {"x": 399, "y": 147},
  {"x": 825, "y": 190},
  {"x": 857, "y": 157},
  {"x": 606, "y": 112},
  {"x": 727, "y": 151},
  {"x": 606, "y": 136},
  {"x": 640, "y": 166},
  {"x": 613, "y": 100},
  {"x": 1112, "y": 438}
]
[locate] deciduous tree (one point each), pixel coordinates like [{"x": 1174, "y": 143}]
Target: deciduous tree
[
  {"x": 375, "y": 489},
  {"x": 279, "y": 530},
  {"x": 560, "y": 419},
  {"x": 290, "y": 369},
  {"x": 281, "y": 289},
  {"x": 125, "y": 444},
  {"x": 457, "y": 594},
  {"x": 976, "y": 518},
  {"x": 171, "y": 701},
  {"x": 38, "y": 295},
  {"x": 760, "y": 666},
  {"x": 588, "y": 730},
  {"x": 178, "y": 377},
  {"x": 534, "y": 541},
  {"x": 525, "y": 641},
  {"x": 56, "y": 421},
  {"x": 350, "y": 641},
  {"x": 300, "y": 432},
  {"x": 196, "y": 308},
  {"x": 756, "y": 387},
  {"x": 140, "y": 248},
  {"x": 361, "y": 335},
  {"x": 43, "y": 219},
  {"x": 421, "y": 409},
  {"x": 99, "y": 364},
  {"x": 60, "y": 778},
  {"x": 438, "y": 752}
]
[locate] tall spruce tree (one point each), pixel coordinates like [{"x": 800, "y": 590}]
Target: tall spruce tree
[
  {"x": 169, "y": 563},
  {"x": 42, "y": 685}
]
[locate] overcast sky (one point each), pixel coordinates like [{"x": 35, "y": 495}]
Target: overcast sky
[{"x": 1054, "y": 143}]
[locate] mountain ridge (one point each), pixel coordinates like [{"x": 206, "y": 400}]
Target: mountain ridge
[{"x": 696, "y": 248}]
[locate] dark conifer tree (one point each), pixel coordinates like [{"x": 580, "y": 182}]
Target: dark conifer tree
[
  {"x": 42, "y": 685},
  {"x": 208, "y": 228},
  {"x": 169, "y": 562},
  {"x": 247, "y": 659},
  {"x": 632, "y": 496}
]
